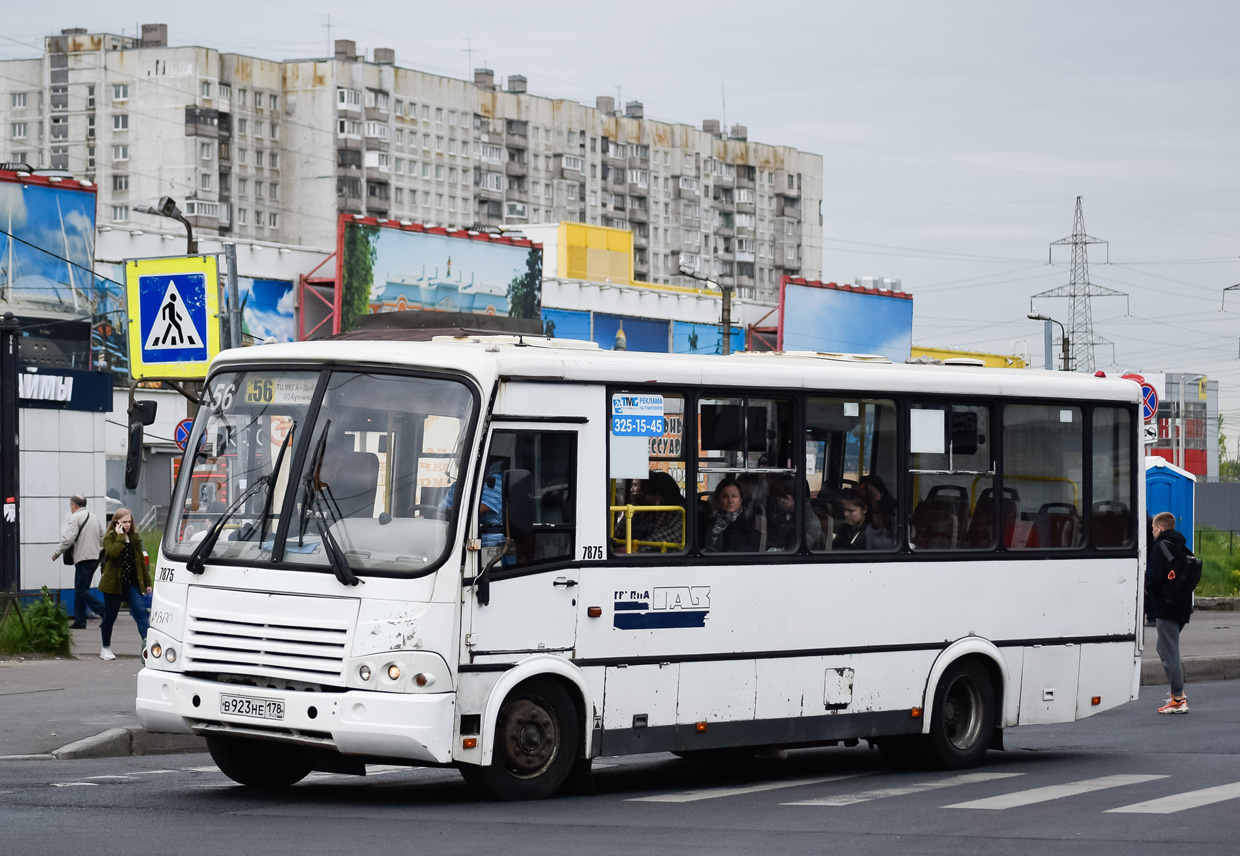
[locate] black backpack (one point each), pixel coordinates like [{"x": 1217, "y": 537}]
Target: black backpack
[{"x": 1183, "y": 575}]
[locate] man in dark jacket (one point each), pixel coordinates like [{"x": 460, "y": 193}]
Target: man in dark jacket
[{"x": 1168, "y": 546}]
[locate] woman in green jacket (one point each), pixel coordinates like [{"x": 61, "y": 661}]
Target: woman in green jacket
[{"x": 125, "y": 577}]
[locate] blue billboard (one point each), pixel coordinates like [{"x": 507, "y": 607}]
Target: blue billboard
[
  {"x": 690, "y": 338},
  {"x": 267, "y": 309},
  {"x": 816, "y": 316},
  {"x": 47, "y": 244}
]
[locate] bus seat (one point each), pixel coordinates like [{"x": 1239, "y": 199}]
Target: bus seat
[
  {"x": 351, "y": 479},
  {"x": 941, "y": 518},
  {"x": 1056, "y": 525},
  {"x": 1110, "y": 523},
  {"x": 982, "y": 525}
]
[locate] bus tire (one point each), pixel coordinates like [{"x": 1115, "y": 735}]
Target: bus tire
[
  {"x": 962, "y": 719},
  {"x": 258, "y": 763},
  {"x": 537, "y": 736}
]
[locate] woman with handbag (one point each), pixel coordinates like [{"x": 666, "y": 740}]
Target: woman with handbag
[{"x": 125, "y": 577}]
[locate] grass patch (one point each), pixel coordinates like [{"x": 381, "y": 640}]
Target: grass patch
[
  {"x": 1220, "y": 556},
  {"x": 43, "y": 628}
]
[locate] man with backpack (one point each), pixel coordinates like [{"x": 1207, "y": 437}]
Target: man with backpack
[{"x": 1171, "y": 574}]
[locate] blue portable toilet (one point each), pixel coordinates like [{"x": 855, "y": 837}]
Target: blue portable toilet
[{"x": 1169, "y": 488}]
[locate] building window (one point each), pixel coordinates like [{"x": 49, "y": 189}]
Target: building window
[
  {"x": 438, "y": 114},
  {"x": 17, "y": 100},
  {"x": 120, "y": 212},
  {"x": 426, "y": 198},
  {"x": 273, "y": 219},
  {"x": 639, "y": 176},
  {"x": 348, "y": 98},
  {"x": 273, "y": 191},
  {"x": 349, "y": 127},
  {"x": 377, "y": 130},
  {"x": 243, "y": 216},
  {"x": 204, "y": 181},
  {"x": 243, "y": 186},
  {"x": 574, "y": 163},
  {"x": 400, "y": 196},
  {"x": 18, "y": 130},
  {"x": 464, "y": 148},
  {"x": 438, "y": 172},
  {"x": 258, "y": 129},
  {"x": 439, "y": 200},
  {"x": 243, "y": 126},
  {"x": 120, "y": 91},
  {"x": 225, "y": 90},
  {"x": 120, "y": 182},
  {"x": 439, "y": 144},
  {"x": 258, "y": 158},
  {"x": 120, "y": 122},
  {"x": 120, "y": 153},
  {"x": 275, "y": 131},
  {"x": 204, "y": 151},
  {"x": 493, "y": 181},
  {"x": 241, "y": 101}
]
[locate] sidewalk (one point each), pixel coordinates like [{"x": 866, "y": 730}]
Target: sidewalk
[{"x": 49, "y": 705}]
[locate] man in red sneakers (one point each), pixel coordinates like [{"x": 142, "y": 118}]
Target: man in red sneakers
[{"x": 1173, "y": 610}]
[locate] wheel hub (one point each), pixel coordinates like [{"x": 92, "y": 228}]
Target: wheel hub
[{"x": 530, "y": 738}]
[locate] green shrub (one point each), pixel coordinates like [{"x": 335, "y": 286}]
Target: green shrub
[
  {"x": 43, "y": 628},
  {"x": 1220, "y": 570}
]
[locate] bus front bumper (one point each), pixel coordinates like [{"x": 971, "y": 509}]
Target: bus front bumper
[{"x": 417, "y": 727}]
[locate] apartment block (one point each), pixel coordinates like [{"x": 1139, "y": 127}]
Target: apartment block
[{"x": 275, "y": 150}]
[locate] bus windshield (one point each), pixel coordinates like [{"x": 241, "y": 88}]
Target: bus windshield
[{"x": 326, "y": 469}]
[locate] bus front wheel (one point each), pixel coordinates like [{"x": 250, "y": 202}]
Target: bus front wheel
[
  {"x": 536, "y": 740},
  {"x": 963, "y": 717},
  {"x": 257, "y": 763}
]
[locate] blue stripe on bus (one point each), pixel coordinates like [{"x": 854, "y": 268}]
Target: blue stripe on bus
[
  {"x": 631, "y": 605},
  {"x": 653, "y": 620}
]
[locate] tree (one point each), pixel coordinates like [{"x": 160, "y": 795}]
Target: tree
[
  {"x": 358, "y": 273},
  {"x": 525, "y": 290},
  {"x": 1228, "y": 471}
]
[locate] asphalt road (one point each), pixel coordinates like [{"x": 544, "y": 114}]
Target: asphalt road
[{"x": 1125, "y": 782}]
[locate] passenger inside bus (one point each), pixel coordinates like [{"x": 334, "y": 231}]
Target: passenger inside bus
[
  {"x": 862, "y": 528},
  {"x": 783, "y": 515},
  {"x": 664, "y": 529},
  {"x": 730, "y": 528}
]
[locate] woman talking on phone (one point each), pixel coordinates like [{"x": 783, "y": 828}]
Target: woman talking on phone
[{"x": 125, "y": 577}]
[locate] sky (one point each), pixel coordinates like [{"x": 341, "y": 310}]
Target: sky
[{"x": 955, "y": 136}]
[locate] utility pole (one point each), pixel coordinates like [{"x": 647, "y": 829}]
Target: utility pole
[
  {"x": 234, "y": 298},
  {"x": 1079, "y": 292}
]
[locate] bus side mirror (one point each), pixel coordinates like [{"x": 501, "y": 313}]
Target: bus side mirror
[
  {"x": 141, "y": 414},
  {"x": 518, "y": 505}
]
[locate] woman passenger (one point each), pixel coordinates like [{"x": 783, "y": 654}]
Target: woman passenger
[{"x": 730, "y": 529}]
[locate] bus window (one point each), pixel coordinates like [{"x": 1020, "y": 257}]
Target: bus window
[
  {"x": 744, "y": 443},
  {"x": 1042, "y": 459},
  {"x": 551, "y": 459},
  {"x": 952, "y": 472},
  {"x": 850, "y": 468},
  {"x": 646, "y": 506},
  {"x": 1112, "y": 500}
]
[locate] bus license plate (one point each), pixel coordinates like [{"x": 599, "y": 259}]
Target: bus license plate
[{"x": 259, "y": 708}]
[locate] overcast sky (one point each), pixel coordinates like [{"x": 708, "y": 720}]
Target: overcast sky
[{"x": 955, "y": 136}]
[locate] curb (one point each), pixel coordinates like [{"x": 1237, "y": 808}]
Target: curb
[
  {"x": 121, "y": 742},
  {"x": 1201, "y": 669}
]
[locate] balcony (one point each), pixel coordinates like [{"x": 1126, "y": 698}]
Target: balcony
[
  {"x": 746, "y": 176},
  {"x": 517, "y": 168},
  {"x": 640, "y": 239},
  {"x": 781, "y": 184},
  {"x": 789, "y": 207},
  {"x": 639, "y": 215}
]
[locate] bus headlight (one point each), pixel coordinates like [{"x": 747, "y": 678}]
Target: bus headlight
[{"x": 363, "y": 672}]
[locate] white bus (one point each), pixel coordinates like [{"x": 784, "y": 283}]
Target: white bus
[{"x": 512, "y": 556}]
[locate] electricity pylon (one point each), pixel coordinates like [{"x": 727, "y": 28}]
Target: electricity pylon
[{"x": 1079, "y": 291}]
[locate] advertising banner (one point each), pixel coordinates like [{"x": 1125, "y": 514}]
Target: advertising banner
[
  {"x": 389, "y": 267},
  {"x": 47, "y": 244},
  {"x": 816, "y": 316}
]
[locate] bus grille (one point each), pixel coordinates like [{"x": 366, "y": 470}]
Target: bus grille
[{"x": 266, "y": 635}]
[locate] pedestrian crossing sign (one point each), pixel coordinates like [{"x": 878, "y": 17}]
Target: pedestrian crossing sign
[{"x": 174, "y": 328}]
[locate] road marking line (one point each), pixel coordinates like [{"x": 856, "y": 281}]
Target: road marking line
[
  {"x": 122, "y": 778},
  {"x": 152, "y": 772},
  {"x": 718, "y": 793},
  {"x": 1054, "y": 792},
  {"x": 881, "y": 793},
  {"x": 1180, "y": 802},
  {"x": 75, "y": 784}
]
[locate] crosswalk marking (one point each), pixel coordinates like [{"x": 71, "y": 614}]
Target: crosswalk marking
[
  {"x": 718, "y": 793},
  {"x": 1054, "y": 792},
  {"x": 880, "y": 793},
  {"x": 1180, "y": 802}
]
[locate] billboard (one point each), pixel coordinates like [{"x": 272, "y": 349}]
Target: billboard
[
  {"x": 392, "y": 267},
  {"x": 267, "y": 309},
  {"x": 818, "y": 316},
  {"x": 47, "y": 243}
]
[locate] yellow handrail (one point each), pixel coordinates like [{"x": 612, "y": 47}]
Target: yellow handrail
[{"x": 628, "y": 541}]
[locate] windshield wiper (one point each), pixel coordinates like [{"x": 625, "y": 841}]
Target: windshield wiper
[
  {"x": 275, "y": 472},
  {"x": 335, "y": 556},
  {"x": 196, "y": 564}
]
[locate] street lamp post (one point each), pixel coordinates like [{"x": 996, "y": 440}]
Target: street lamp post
[
  {"x": 1035, "y": 316},
  {"x": 725, "y": 319},
  {"x": 168, "y": 208}
]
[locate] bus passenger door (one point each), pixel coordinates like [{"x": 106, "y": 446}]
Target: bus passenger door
[{"x": 531, "y": 593}]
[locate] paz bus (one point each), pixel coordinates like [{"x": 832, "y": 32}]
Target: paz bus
[{"x": 441, "y": 553}]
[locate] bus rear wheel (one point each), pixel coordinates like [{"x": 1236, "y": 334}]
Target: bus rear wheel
[
  {"x": 536, "y": 740},
  {"x": 257, "y": 763},
  {"x": 963, "y": 717}
]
